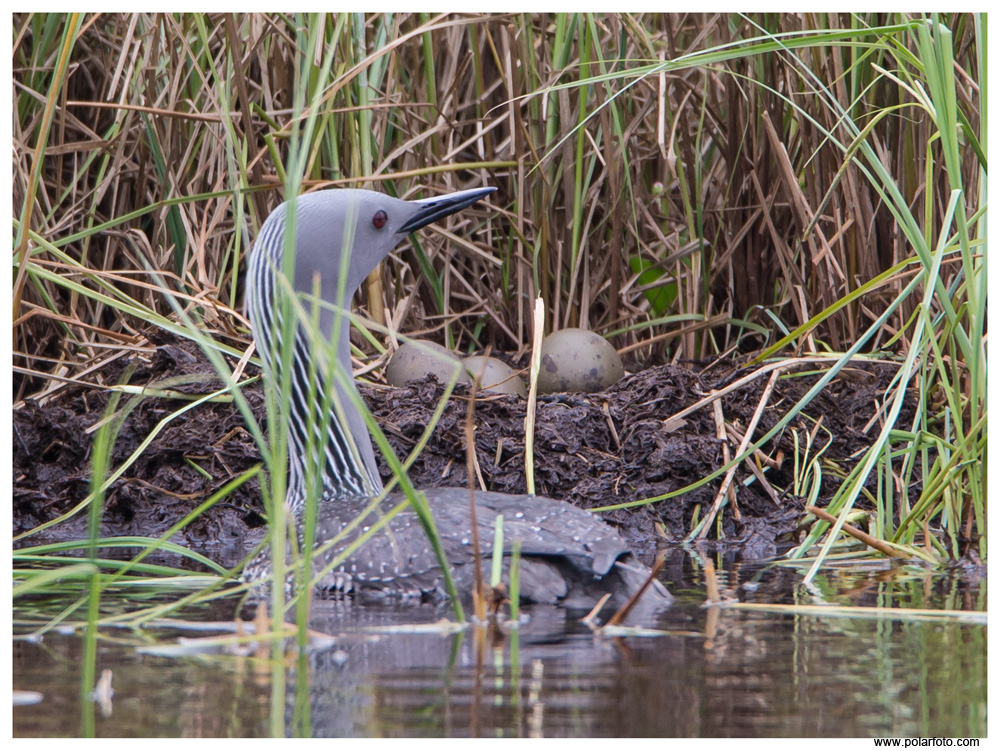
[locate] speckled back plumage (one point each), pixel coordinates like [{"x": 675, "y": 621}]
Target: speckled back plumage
[{"x": 568, "y": 554}]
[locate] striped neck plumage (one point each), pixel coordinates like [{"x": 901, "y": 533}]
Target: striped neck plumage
[{"x": 333, "y": 442}]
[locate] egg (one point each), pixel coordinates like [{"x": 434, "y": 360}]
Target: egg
[
  {"x": 578, "y": 360},
  {"x": 414, "y": 361},
  {"x": 495, "y": 376}
]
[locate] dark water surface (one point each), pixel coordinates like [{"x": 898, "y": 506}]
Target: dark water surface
[{"x": 720, "y": 672}]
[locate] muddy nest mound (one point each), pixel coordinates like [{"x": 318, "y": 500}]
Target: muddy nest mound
[{"x": 594, "y": 450}]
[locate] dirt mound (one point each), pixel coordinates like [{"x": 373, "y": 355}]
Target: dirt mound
[{"x": 593, "y": 450}]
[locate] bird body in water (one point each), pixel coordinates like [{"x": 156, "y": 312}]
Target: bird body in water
[
  {"x": 340, "y": 236},
  {"x": 566, "y": 553}
]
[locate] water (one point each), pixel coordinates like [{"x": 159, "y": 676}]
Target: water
[{"x": 719, "y": 672}]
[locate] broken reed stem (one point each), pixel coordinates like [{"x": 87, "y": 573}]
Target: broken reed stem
[
  {"x": 780, "y": 367},
  {"x": 857, "y": 534},
  {"x": 529, "y": 417},
  {"x": 477, "y": 385},
  {"x": 723, "y": 436},
  {"x": 765, "y": 397},
  {"x": 625, "y": 609},
  {"x": 479, "y": 592}
]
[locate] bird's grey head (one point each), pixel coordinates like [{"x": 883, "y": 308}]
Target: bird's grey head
[{"x": 348, "y": 232}]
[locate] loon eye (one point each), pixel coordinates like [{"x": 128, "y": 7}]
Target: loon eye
[{"x": 379, "y": 220}]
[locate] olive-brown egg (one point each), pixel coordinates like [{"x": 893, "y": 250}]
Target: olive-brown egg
[
  {"x": 415, "y": 360},
  {"x": 495, "y": 375},
  {"x": 578, "y": 360}
]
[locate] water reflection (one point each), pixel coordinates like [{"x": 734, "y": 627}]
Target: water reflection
[{"x": 719, "y": 672}]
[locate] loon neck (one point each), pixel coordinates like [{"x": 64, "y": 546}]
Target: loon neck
[
  {"x": 341, "y": 456},
  {"x": 347, "y": 464}
]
